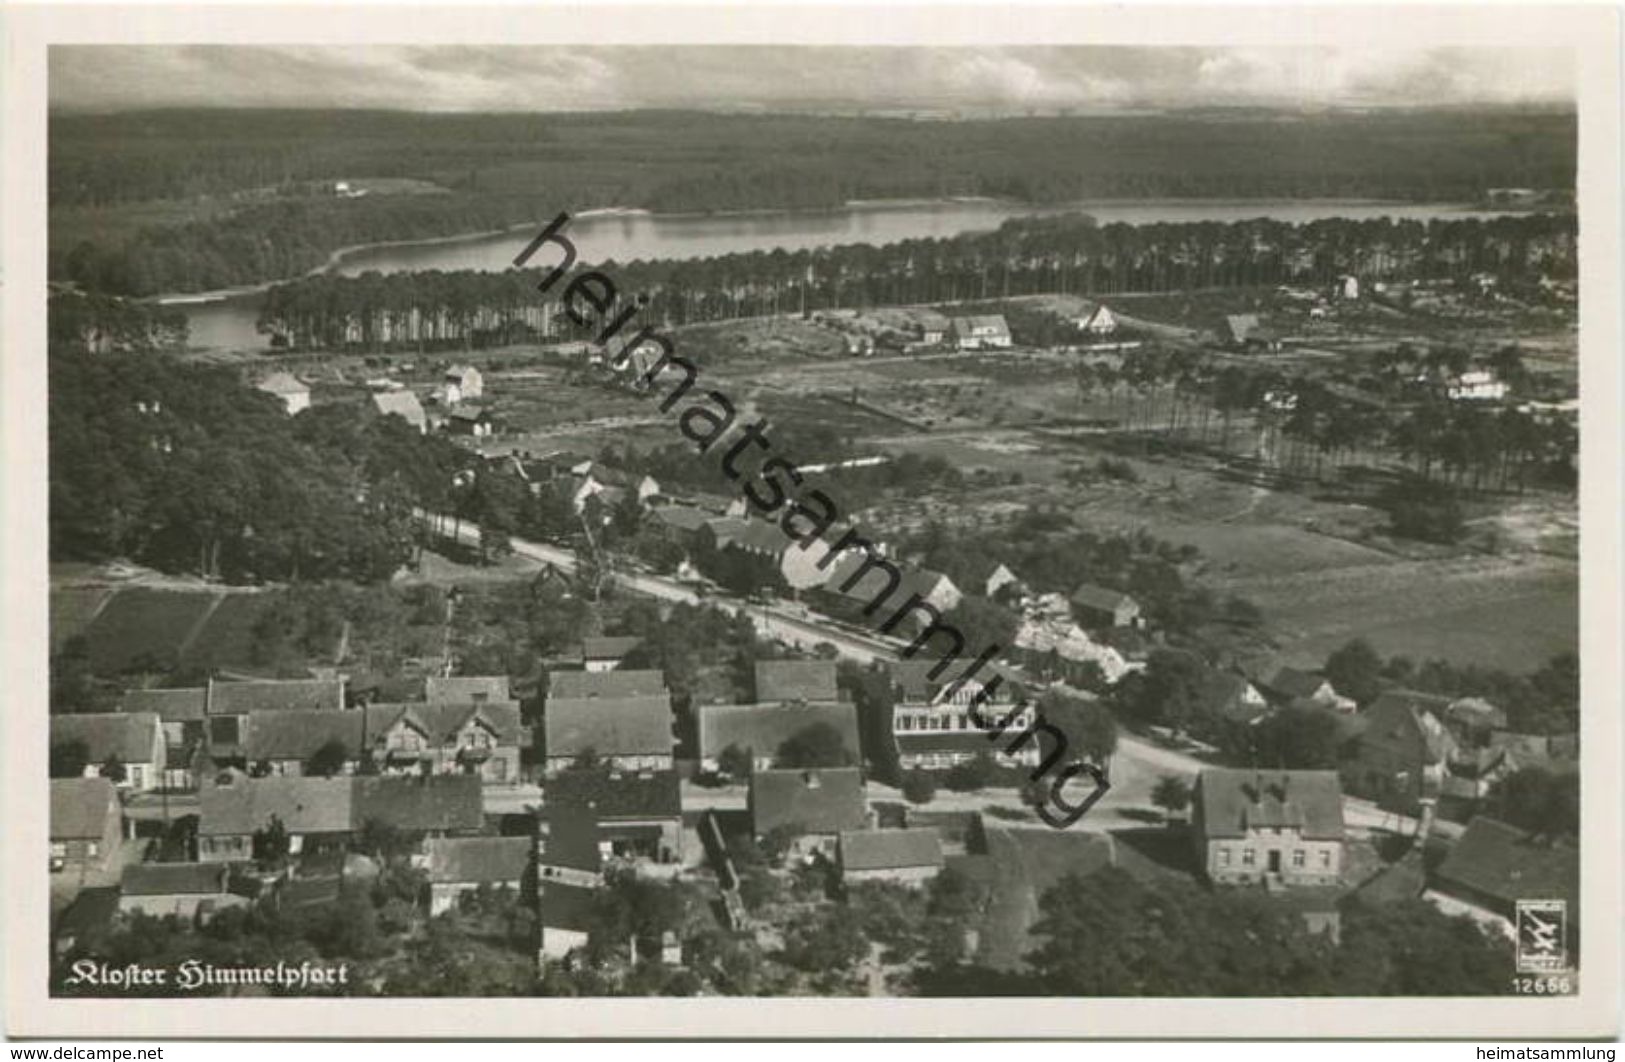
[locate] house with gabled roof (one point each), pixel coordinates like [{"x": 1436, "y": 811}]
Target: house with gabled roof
[
  {"x": 1276, "y": 828},
  {"x": 639, "y": 814},
  {"x": 761, "y": 729},
  {"x": 291, "y": 392},
  {"x": 462, "y": 383},
  {"x": 1098, "y": 323},
  {"x": 986, "y": 331},
  {"x": 87, "y": 824},
  {"x": 134, "y": 739},
  {"x": 1097, "y": 607},
  {"x": 439, "y": 805},
  {"x": 909, "y": 856},
  {"x": 632, "y": 733},
  {"x": 815, "y": 805},
  {"x": 190, "y": 891},
  {"x": 615, "y": 682},
  {"x": 283, "y": 743},
  {"x": 483, "y": 738},
  {"x": 403, "y": 404},
  {"x": 605, "y": 653},
  {"x": 1494, "y": 864},
  {"x": 315, "y": 812},
  {"x": 1294, "y": 688},
  {"x": 456, "y": 866},
  {"x": 786, "y": 681},
  {"x": 467, "y": 689},
  {"x": 1402, "y": 751}
]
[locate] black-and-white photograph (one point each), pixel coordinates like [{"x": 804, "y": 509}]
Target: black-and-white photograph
[{"x": 805, "y": 520}]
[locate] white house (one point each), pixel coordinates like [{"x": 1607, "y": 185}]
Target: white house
[
  {"x": 1098, "y": 323},
  {"x": 1476, "y": 385},
  {"x": 980, "y": 332},
  {"x": 463, "y": 383}
]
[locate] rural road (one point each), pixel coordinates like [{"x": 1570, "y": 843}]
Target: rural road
[{"x": 1135, "y": 766}]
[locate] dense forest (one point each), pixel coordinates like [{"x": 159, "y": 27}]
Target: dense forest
[
  {"x": 1025, "y": 256},
  {"x": 188, "y": 469},
  {"x": 163, "y": 201}
]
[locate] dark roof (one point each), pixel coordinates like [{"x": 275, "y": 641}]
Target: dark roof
[
  {"x": 128, "y": 735},
  {"x": 1231, "y": 802},
  {"x": 795, "y": 680},
  {"x": 1397, "y": 712},
  {"x": 436, "y": 802},
  {"x": 173, "y": 879},
  {"x": 916, "y": 686},
  {"x": 1225, "y": 693},
  {"x": 304, "y": 805},
  {"x": 609, "y": 726},
  {"x": 826, "y": 800},
  {"x": 611, "y": 794},
  {"x": 1501, "y": 861},
  {"x": 296, "y": 735},
  {"x": 171, "y": 706},
  {"x": 1291, "y": 682},
  {"x": 80, "y": 808},
  {"x": 233, "y": 698},
  {"x": 310, "y": 892},
  {"x": 478, "y": 859},
  {"x": 681, "y": 517},
  {"x": 615, "y": 683},
  {"x": 567, "y": 906},
  {"x": 752, "y": 536},
  {"x": 890, "y": 849},
  {"x": 466, "y": 689},
  {"x": 608, "y": 648},
  {"x": 572, "y": 839},
  {"x": 764, "y": 727},
  {"x": 1099, "y": 597}
]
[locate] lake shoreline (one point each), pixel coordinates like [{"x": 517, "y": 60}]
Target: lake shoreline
[{"x": 337, "y": 257}]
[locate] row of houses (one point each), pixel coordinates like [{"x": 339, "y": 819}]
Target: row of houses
[{"x": 172, "y": 738}]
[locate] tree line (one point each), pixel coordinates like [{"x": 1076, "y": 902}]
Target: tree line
[
  {"x": 1071, "y": 254},
  {"x": 250, "y": 191}
]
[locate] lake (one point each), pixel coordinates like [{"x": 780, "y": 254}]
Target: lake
[{"x": 622, "y": 237}]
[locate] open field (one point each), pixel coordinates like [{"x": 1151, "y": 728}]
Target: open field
[
  {"x": 141, "y": 626},
  {"x": 1511, "y": 613}
]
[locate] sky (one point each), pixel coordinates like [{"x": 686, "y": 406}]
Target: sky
[{"x": 1014, "y": 79}]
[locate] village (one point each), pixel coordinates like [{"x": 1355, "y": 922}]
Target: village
[{"x": 1176, "y": 517}]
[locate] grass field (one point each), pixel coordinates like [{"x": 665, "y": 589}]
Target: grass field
[
  {"x": 72, "y": 609},
  {"x": 141, "y": 627},
  {"x": 226, "y": 640},
  {"x": 1508, "y": 613}
]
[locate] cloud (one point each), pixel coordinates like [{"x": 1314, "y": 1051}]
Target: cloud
[{"x": 536, "y": 78}]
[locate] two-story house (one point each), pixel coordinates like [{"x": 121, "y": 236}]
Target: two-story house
[
  {"x": 933, "y": 727},
  {"x": 1403, "y": 749},
  {"x": 1276, "y": 828}
]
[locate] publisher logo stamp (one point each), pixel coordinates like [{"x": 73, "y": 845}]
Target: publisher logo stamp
[{"x": 1542, "y": 932}]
